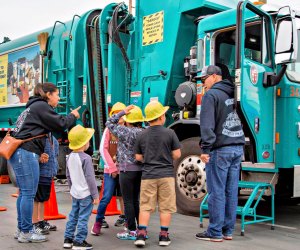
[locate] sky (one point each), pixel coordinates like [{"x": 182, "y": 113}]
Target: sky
[{"x": 19, "y": 18}]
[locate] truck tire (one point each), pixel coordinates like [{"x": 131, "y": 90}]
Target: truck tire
[
  {"x": 190, "y": 180},
  {"x": 11, "y": 174}
]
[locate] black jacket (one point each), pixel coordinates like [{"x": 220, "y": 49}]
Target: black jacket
[
  {"x": 219, "y": 123},
  {"x": 40, "y": 118}
]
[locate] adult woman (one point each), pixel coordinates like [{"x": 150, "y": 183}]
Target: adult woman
[{"x": 38, "y": 118}]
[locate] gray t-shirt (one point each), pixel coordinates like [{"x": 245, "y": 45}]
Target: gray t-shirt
[{"x": 156, "y": 144}]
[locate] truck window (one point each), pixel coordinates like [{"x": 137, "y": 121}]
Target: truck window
[
  {"x": 256, "y": 48},
  {"x": 293, "y": 69}
]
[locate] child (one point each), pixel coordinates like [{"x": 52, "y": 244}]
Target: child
[
  {"x": 83, "y": 188},
  {"x": 130, "y": 170},
  {"x": 157, "y": 147},
  {"x": 48, "y": 170},
  {"x": 108, "y": 151}
]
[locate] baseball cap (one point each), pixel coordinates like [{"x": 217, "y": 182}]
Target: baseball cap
[{"x": 210, "y": 70}]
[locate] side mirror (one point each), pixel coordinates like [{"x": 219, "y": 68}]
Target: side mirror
[{"x": 286, "y": 40}]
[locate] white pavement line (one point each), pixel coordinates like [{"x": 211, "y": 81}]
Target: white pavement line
[{"x": 281, "y": 226}]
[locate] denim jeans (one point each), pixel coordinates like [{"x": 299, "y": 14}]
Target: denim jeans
[
  {"x": 26, "y": 167},
  {"x": 222, "y": 176},
  {"x": 78, "y": 218},
  {"x": 108, "y": 191},
  {"x": 130, "y": 183}
]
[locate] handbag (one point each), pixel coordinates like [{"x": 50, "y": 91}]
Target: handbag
[{"x": 10, "y": 144}]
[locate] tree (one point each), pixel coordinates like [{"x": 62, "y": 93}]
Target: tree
[{"x": 5, "y": 40}]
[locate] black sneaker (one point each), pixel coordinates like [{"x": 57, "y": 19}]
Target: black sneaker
[
  {"x": 104, "y": 224},
  {"x": 68, "y": 243},
  {"x": 141, "y": 238},
  {"x": 207, "y": 237},
  {"x": 120, "y": 221},
  {"x": 38, "y": 229},
  {"x": 48, "y": 226},
  {"x": 164, "y": 239},
  {"x": 82, "y": 246}
]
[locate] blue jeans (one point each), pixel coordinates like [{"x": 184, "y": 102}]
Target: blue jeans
[
  {"x": 108, "y": 191},
  {"x": 78, "y": 218},
  {"x": 222, "y": 176},
  {"x": 26, "y": 167}
]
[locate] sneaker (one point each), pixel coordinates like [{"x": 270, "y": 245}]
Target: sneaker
[
  {"x": 82, "y": 246},
  {"x": 48, "y": 226},
  {"x": 38, "y": 229},
  {"x": 120, "y": 221},
  {"x": 96, "y": 229},
  {"x": 104, "y": 224},
  {"x": 31, "y": 237},
  {"x": 127, "y": 235},
  {"x": 141, "y": 238},
  {"x": 164, "y": 239},
  {"x": 227, "y": 237},
  {"x": 207, "y": 237},
  {"x": 17, "y": 233},
  {"x": 68, "y": 243}
]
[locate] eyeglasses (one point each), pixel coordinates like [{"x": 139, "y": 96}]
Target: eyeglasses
[{"x": 203, "y": 79}]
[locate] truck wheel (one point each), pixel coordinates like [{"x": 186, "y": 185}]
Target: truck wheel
[
  {"x": 190, "y": 177},
  {"x": 11, "y": 174}
]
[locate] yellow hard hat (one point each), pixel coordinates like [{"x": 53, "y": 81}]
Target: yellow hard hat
[
  {"x": 117, "y": 107},
  {"x": 135, "y": 115},
  {"x": 79, "y": 136},
  {"x": 154, "y": 109}
]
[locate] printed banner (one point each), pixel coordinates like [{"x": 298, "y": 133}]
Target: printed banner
[
  {"x": 22, "y": 69},
  {"x": 3, "y": 79}
]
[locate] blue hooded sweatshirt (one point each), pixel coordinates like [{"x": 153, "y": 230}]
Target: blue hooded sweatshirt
[{"x": 219, "y": 123}]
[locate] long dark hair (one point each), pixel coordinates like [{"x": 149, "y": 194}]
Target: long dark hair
[{"x": 41, "y": 90}]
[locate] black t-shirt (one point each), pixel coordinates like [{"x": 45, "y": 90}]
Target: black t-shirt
[{"x": 156, "y": 144}]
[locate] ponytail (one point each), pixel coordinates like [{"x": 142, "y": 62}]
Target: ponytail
[{"x": 41, "y": 90}]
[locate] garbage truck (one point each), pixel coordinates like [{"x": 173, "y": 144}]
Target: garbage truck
[{"x": 109, "y": 55}]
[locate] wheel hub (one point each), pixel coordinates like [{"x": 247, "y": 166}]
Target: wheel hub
[{"x": 191, "y": 177}]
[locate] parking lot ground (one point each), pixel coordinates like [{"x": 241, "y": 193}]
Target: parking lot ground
[{"x": 258, "y": 236}]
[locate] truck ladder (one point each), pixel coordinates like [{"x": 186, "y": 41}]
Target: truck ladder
[
  {"x": 249, "y": 209},
  {"x": 64, "y": 91}
]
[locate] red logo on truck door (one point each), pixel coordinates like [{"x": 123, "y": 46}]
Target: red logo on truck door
[{"x": 254, "y": 74}]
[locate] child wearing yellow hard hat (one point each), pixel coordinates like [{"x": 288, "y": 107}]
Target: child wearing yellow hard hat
[
  {"x": 156, "y": 147},
  {"x": 130, "y": 170},
  {"x": 83, "y": 188},
  {"x": 111, "y": 186}
]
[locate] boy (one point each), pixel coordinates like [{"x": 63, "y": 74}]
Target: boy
[
  {"x": 83, "y": 188},
  {"x": 47, "y": 171},
  {"x": 156, "y": 147}
]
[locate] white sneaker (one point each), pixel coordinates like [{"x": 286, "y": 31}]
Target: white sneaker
[
  {"x": 31, "y": 237},
  {"x": 17, "y": 233}
]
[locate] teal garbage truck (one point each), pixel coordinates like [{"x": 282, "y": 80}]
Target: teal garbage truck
[{"x": 109, "y": 55}]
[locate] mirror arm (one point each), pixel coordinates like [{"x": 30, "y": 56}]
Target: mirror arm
[{"x": 271, "y": 79}]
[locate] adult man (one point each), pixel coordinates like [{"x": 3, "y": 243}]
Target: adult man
[{"x": 222, "y": 141}]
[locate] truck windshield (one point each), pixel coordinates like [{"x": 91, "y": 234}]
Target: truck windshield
[{"x": 293, "y": 69}]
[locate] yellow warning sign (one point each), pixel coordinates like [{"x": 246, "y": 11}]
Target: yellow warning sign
[{"x": 153, "y": 28}]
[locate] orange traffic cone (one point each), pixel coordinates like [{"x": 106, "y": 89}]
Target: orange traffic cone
[
  {"x": 51, "y": 209},
  {"x": 112, "y": 208},
  {"x": 2, "y": 209},
  {"x": 16, "y": 194}
]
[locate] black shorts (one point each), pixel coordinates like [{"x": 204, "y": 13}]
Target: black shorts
[
  {"x": 42, "y": 193},
  {"x": 117, "y": 191}
]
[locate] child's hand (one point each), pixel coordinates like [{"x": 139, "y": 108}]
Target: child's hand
[
  {"x": 128, "y": 108},
  {"x": 114, "y": 174},
  {"x": 96, "y": 201},
  {"x": 44, "y": 158}
]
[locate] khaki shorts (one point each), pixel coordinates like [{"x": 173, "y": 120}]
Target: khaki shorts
[{"x": 158, "y": 190}]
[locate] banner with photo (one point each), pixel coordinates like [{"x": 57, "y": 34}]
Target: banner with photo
[{"x": 23, "y": 73}]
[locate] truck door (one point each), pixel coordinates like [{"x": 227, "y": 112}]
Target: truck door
[{"x": 252, "y": 59}]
